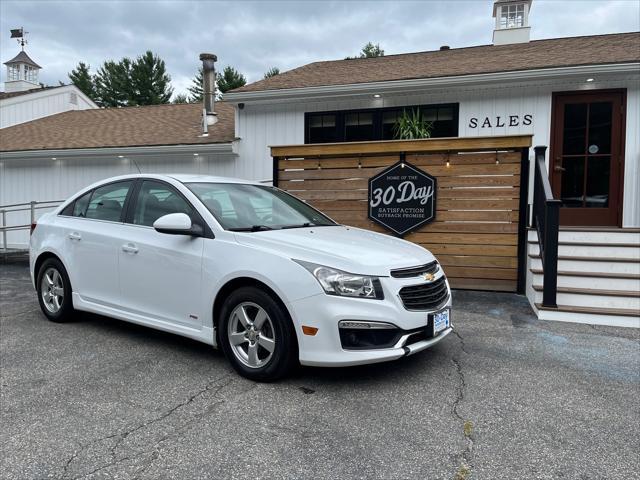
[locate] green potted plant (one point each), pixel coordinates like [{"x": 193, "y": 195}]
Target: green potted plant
[{"x": 411, "y": 125}]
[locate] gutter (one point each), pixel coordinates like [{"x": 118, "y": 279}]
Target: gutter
[
  {"x": 230, "y": 148},
  {"x": 421, "y": 83}
]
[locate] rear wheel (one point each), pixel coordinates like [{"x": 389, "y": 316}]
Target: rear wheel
[
  {"x": 54, "y": 291},
  {"x": 256, "y": 335}
]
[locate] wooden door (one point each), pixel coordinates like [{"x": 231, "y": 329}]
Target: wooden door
[{"x": 587, "y": 155}]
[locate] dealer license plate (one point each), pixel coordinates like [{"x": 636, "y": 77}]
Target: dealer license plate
[{"x": 440, "y": 321}]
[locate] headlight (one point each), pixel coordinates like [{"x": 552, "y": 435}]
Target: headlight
[{"x": 337, "y": 282}]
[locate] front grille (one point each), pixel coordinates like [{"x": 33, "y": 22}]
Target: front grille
[
  {"x": 427, "y": 296},
  {"x": 431, "y": 267}
]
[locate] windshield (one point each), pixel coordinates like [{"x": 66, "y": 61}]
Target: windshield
[{"x": 241, "y": 207}]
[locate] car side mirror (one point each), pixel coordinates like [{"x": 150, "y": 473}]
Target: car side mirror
[{"x": 177, "y": 224}]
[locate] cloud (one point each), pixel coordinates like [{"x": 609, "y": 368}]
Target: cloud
[{"x": 253, "y": 36}]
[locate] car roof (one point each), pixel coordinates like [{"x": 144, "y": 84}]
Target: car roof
[
  {"x": 191, "y": 178},
  {"x": 182, "y": 178}
]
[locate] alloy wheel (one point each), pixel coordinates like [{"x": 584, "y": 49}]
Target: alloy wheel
[
  {"x": 251, "y": 335},
  {"x": 52, "y": 290}
]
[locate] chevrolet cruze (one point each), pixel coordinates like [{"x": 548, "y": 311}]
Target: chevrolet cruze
[{"x": 242, "y": 266}]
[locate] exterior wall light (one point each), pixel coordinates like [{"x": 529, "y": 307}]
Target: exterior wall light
[
  {"x": 376, "y": 95},
  {"x": 590, "y": 79}
]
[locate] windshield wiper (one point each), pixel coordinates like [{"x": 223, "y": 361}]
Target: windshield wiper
[
  {"x": 253, "y": 228},
  {"x": 301, "y": 225}
]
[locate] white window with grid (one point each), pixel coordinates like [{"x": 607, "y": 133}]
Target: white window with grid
[
  {"x": 512, "y": 16},
  {"x": 30, "y": 73},
  {"x": 13, "y": 72}
]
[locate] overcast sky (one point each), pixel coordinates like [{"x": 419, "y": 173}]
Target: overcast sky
[{"x": 254, "y": 36}]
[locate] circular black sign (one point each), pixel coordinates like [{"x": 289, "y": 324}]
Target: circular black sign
[{"x": 402, "y": 198}]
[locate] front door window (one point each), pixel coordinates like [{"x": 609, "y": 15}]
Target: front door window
[{"x": 587, "y": 147}]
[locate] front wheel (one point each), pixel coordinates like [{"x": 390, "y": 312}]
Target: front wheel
[
  {"x": 54, "y": 291},
  {"x": 256, "y": 335}
]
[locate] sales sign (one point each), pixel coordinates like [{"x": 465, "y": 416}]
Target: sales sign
[{"x": 402, "y": 198}]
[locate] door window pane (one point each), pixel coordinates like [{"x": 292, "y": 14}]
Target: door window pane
[
  {"x": 157, "y": 199},
  {"x": 107, "y": 202},
  {"x": 600, "y": 127},
  {"x": 80, "y": 205},
  {"x": 358, "y": 127},
  {"x": 322, "y": 128},
  {"x": 598, "y": 170},
  {"x": 572, "y": 191},
  {"x": 575, "y": 129}
]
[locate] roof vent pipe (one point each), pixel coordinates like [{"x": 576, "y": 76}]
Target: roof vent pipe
[{"x": 208, "y": 89}]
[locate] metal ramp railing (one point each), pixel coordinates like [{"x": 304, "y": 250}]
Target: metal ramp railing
[{"x": 31, "y": 207}]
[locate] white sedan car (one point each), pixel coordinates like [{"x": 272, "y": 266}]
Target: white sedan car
[{"x": 239, "y": 265}]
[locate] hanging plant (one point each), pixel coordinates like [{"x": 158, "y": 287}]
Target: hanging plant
[{"x": 411, "y": 125}]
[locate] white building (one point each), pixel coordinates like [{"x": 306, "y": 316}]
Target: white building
[{"x": 24, "y": 99}]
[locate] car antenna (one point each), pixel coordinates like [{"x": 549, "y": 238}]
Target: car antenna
[{"x": 136, "y": 164}]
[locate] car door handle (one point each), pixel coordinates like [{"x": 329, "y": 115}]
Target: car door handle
[
  {"x": 129, "y": 248},
  {"x": 75, "y": 236}
]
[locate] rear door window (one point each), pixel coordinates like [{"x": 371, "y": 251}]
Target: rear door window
[{"x": 107, "y": 201}]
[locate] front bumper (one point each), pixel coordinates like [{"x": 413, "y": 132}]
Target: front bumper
[{"x": 324, "y": 312}]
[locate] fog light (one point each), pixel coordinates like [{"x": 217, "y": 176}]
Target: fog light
[{"x": 362, "y": 335}]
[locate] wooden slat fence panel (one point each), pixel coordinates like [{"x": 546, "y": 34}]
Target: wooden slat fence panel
[{"x": 475, "y": 232}]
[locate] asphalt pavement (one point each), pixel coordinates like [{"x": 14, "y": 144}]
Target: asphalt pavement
[{"x": 506, "y": 397}]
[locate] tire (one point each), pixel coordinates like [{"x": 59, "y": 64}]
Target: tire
[
  {"x": 246, "y": 339},
  {"x": 54, "y": 291}
]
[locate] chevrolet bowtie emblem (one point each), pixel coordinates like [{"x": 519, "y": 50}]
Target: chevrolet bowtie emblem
[{"x": 428, "y": 277}]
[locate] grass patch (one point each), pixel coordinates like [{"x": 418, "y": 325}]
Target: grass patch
[
  {"x": 462, "y": 473},
  {"x": 468, "y": 428}
]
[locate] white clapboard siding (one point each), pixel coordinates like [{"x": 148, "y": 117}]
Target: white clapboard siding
[{"x": 42, "y": 103}]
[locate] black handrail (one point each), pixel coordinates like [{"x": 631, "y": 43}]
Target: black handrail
[{"x": 546, "y": 216}]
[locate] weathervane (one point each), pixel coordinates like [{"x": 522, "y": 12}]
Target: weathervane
[{"x": 19, "y": 34}]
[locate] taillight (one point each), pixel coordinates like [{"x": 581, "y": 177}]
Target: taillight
[{"x": 33, "y": 227}]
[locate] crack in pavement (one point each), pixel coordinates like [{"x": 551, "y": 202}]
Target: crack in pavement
[
  {"x": 466, "y": 455},
  {"x": 462, "y": 344},
  {"x": 124, "y": 435}
]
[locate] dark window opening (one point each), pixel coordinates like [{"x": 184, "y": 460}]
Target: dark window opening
[
  {"x": 323, "y": 128},
  {"x": 376, "y": 124}
]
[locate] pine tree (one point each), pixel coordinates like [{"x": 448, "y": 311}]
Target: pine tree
[
  {"x": 180, "y": 98},
  {"x": 229, "y": 79},
  {"x": 150, "y": 84},
  {"x": 195, "y": 90},
  {"x": 113, "y": 85},
  {"x": 82, "y": 79},
  {"x": 272, "y": 72},
  {"x": 369, "y": 51}
]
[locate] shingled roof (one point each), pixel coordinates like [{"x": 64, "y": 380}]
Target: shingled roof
[
  {"x": 537, "y": 54},
  {"x": 155, "y": 125},
  {"x": 5, "y": 95}
]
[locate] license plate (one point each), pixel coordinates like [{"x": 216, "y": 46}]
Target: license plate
[{"x": 440, "y": 321}]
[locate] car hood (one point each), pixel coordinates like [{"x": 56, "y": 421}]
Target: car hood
[{"x": 346, "y": 248}]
